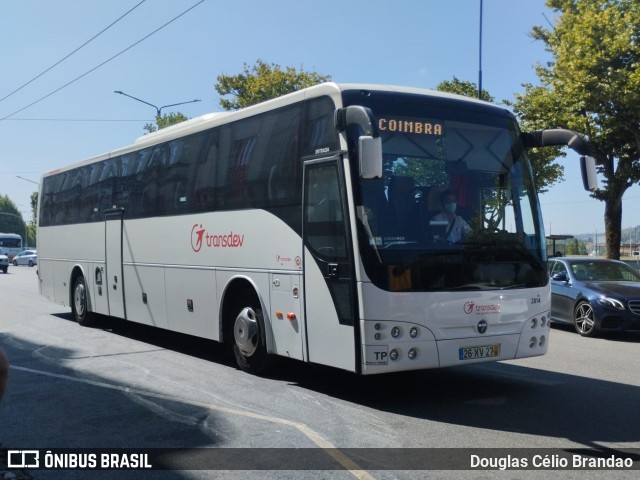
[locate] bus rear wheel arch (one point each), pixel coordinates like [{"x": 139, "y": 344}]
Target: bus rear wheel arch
[{"x": 244, "y": 328}]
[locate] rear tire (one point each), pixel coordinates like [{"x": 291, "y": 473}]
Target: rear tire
[{"x": 79, "y": 303}]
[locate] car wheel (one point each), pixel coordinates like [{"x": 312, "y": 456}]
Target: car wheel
[
  {"x": 15, "y": 263},
  {"x": 584, "y": 319},
  {"x": 31, "y": 263}
]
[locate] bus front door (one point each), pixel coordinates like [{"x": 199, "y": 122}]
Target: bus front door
[
  {"x": 113, "y": 281},
  {"x": 328, "y": 265}
]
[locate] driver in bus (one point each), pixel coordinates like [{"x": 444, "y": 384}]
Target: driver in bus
[{"x": 456, "y": 226}]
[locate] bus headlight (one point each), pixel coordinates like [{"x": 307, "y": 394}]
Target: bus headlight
[
  {"x": 413, "y": 333},
  {"x": 534, "y": 322},
  {"x": 412, "y": 354},
  {"x": 393, "y": 354},
  {"x": 395, "y": 332}
]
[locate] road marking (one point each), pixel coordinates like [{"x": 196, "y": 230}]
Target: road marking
[{"x": 331, "y": 450}]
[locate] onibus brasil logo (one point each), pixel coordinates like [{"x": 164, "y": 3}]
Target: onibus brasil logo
[{"x": 201, "y": 238}]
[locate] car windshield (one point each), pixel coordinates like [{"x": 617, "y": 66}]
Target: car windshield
[{"x": 604, "y": 272}]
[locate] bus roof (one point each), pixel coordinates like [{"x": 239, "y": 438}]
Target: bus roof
[{"x": 214, "y": 119}]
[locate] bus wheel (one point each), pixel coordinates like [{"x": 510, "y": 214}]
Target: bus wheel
[
  {"x": 249, "y": 341},
  {"x": 79, "y": 302}
]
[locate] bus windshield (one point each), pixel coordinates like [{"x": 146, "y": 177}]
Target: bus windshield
[{"x": 456, "y": 208}]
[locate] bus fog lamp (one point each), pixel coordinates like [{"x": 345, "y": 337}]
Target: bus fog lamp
[
  {"x": 413, "y": 333},
  {"x": 395, "y": 332},
  {"x": 533, "y": 342},
  {"x": 377, "y": 326},
  {"x": 393, "y": 354},
  {"x": 412, "y": 354},
  {"x": 377, "y": 336}
]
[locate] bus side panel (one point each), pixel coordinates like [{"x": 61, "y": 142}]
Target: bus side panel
[
  {"x": 192, "y": 301},
  {"x": 60, "y": 249},
  {"x": 145, "y": 294},
  {"x": 45, "y": 274}
]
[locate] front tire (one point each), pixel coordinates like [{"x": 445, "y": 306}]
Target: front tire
[
  {"x": 584, "y": 319},
  {"x": 79, "y": 303},
  {"x": 250, "y": 340}
]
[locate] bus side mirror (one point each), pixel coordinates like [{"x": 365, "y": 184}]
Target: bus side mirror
[
  {"x": 588, "y": 170},
  {"x": 370, "y": 157}
]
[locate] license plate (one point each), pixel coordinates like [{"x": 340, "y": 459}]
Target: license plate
[{"x": 483, "y": 351}]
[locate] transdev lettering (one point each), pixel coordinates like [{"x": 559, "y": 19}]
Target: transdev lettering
[{"x": 200, "y": 237}]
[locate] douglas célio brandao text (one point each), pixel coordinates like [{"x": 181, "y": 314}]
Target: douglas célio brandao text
[{"x": 550, "y": 462}]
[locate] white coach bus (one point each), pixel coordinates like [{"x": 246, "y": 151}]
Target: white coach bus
[{"x": 304, "y": 227}]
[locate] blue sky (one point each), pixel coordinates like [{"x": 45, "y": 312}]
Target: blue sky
[{"x": 403, "y": 42}]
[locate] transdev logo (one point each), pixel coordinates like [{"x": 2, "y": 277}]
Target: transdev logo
[
  {"x": 471, "y": 307},
  {"x": 201, "y": 238}
]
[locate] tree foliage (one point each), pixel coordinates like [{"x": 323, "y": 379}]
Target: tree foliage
[
  {"x": 463, "y": 87},
  {"x": 10, "y": 217},
  {"x": 592, "y": 85},
  {"x": 166, "y": 120},
  {"x": 261, "y": 82}
]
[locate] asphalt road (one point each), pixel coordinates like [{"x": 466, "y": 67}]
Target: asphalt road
[{"x": 120, "y": 385}]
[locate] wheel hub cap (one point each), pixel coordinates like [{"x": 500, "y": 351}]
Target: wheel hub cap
[{"x": 245, "y": 332}]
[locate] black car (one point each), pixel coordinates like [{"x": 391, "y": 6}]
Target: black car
[{"x": 594, "y": 294}]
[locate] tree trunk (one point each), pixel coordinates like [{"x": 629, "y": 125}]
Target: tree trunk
[{"x": 613, "y": 226}]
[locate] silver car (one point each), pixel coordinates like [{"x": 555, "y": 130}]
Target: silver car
[{"x": 26, "y": 257}]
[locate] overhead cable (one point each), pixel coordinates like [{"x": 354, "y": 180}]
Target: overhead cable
[
  {"x": 68, "y": 55},
  {"x": 103, "y": 63}
]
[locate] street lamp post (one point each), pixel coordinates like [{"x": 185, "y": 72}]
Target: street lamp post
[{"x": 158, "y": 109}]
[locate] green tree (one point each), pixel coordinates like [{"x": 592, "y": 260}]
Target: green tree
[
  {"x": 31, "y": 227},
  {"x": 166, "y": 120},
  {"x": 10, "y": 218},
  {"x": 592, "y": 84},
  {"x": 463, "y": 87},
  {"x": 576, "y": 247},
  {"x": 261, "y": 82}
]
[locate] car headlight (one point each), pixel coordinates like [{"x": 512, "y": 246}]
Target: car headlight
[{"x": 611, "y": 302}]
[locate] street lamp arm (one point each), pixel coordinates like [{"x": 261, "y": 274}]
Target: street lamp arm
[
  {"x": 135, "y": 98},
  {"x": 27, "y": 180},
  {"x": 158, "y": 109},
  {"x": 175, "y": 104}
]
